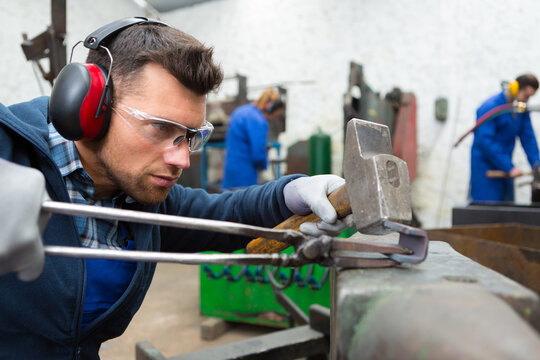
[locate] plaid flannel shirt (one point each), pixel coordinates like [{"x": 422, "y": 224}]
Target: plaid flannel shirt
[{"x": 93, "y": 233}]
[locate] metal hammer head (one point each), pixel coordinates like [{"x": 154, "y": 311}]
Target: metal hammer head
[{"x": 377, "y": 181}]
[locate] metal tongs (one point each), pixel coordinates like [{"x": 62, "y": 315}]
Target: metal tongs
[{"x": 323, "y": 250}]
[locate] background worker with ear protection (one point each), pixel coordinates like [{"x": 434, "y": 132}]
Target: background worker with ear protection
[
  {"x": 246, "y": 140},
  {"x": 115, "y": 132},
  {"x": 494, "y": 142}
]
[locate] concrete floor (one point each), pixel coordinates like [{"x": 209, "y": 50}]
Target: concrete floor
[{"x": 170, "y": 318}]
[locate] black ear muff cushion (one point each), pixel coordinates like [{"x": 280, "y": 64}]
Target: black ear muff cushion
[
  {"x": 274, "y": 105},
  {"x": 74, "y": 101}
]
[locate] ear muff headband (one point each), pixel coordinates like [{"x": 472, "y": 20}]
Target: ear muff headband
[
  {"x": 513, "y": 88},
  {"x": 79, "y": 103},
  {"x": 94, "y": 40}
]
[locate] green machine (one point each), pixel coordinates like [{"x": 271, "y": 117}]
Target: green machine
[{"x": 244, "y": 293}]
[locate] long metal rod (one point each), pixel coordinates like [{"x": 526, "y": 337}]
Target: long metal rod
[
  {"x": 284, "y": 260},
  {"x": 289, "y": 236},
  {"x": 178, "y": 258},
  {"x": 286, "y": 235}
]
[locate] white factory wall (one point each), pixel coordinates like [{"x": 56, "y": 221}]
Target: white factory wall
[
  {"x": 32, "y": 17},
  {"x": 460, "y": 50}
]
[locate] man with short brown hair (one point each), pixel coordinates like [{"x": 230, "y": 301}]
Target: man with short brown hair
[{"x": 153, "y": 120}]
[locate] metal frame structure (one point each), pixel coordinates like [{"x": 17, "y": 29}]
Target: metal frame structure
[{"x": 50, "y": 43}]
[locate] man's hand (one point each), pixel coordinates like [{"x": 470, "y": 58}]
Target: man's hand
[
  {"x": 515, "y": 172},
  {"x": 310, "y": 194},
  {"x": 22, "y": 191}
]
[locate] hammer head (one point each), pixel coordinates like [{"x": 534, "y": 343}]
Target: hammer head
[{"x": 377, "y": 181}]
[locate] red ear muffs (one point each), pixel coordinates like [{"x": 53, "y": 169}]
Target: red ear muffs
[
  {"x": 274, "y": 105},
  {"x": 74, "y": 102},
  {"x": 80, "y": 102}
]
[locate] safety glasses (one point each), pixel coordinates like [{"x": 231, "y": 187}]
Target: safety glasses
[{"x": 163, "y": 132}]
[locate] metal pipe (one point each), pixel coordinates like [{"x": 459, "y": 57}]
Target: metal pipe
[
  {"x": 178, "y": 258},
  {"x": 227, "y": 227}
]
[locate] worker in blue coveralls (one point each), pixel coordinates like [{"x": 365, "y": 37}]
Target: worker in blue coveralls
[
  {"x": 495, "y": 139},
  {"x": 246, "y": 140},
  {"x": 125, "y": 152}
]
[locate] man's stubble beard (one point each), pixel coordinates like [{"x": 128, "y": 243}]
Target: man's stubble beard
[{"x": 133, "y": 186}]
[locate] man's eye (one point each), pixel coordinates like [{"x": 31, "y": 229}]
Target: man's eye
[{"x": 161, "y": 126}]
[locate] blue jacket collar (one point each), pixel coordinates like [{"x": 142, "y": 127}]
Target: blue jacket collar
[{"x": 29, "y": 120}]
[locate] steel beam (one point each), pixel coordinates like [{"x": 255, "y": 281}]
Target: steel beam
[
  {"x": 496, "y": 213},
  {"x": 422, "y": 301},
  {"x": 287, "y": 344}
]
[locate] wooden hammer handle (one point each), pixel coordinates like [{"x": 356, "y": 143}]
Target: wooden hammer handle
[
  {"x": 339, "y": 200},
  {"x": 496, "y": 174},
  {"x": 499, "y": 174}
]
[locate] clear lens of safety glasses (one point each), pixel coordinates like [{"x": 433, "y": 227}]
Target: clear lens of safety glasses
[
  {"x": 196, "y": 137},
  {"x": 165, "y": 133}
]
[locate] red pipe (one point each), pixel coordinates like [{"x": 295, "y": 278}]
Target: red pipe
[{"x": 499, "y": 110}]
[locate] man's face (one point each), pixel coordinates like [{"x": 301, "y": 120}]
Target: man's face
[
  {"x": 143, "y": 169},
  {"x": 525, "y": 93}
]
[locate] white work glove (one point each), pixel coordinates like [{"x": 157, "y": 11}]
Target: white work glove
[
  {"x": 22, "y": 191},
  {"x": 310, "y": 194}
]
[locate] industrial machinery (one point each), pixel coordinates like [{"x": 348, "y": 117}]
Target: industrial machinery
[
  {"x": 50, "y": 43},
  {"x": 397, "y": 110}
]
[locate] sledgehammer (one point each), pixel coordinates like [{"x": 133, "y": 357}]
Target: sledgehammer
[{"x": 376, "y": 189}]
